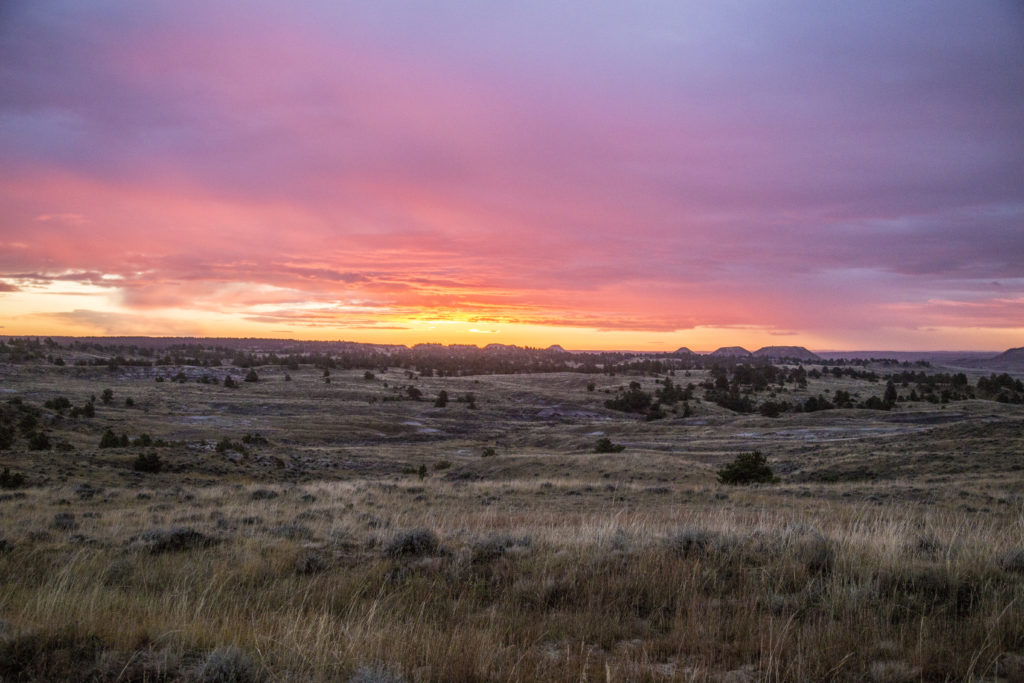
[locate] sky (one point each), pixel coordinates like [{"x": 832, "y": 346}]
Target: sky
[{"x": 600, "y": 175}]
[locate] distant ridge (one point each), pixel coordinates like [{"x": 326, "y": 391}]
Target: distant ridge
[
  {"x": 1016, "y": 355},
  {"x": 730, "y": 352},
  {"x": 683, "y": 351},
  {"x": 795, "y": 352},
  {"x": 1011, "y": 360},
  {"x": 555, "y": 347}
]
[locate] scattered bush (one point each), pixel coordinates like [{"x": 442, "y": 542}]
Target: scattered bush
[
  {"x": 488, "y": 452},
  {"x": 227, "y": 665},
  {"x": 931, "y": 589},
  {"x": 415, "y": 543},
  {"x": 147, "y": 462},
  {"x": 747, "y": 468},
  {"x": 226, "y": 444},
  {"x": 112, "y": 440},
  {"x": 6, "y": 437},
  {"x": 691, "y": 542},
  {"x": 11, "y": 481},
  {"x": 60, "y": 404},
  {"x": 87, "y": 410},
  {"x": 178, "y": 539},
  {"x": 39, "y": 442},
  {"x": 252, "y": 376},
  {"x": 1013, "y": 561},
  {"x": 605, "y": 445},
  {"x": 310, "y": 562},
  {"x": 494, "y": 546},
  {"x": 636, "y": 400},
  {"x": 107, "y": 396},
  {"x": 64, "y": 521}
]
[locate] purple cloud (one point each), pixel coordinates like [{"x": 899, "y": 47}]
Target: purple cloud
[{"x": 662, "y": 166}]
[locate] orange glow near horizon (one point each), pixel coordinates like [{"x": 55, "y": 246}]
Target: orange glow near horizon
[
  {"x": 47, "y": 314},
  {"x": 310, "y": 173}
]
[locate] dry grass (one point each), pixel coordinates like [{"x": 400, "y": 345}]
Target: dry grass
[
  {"x": 892, "y": 550},
  {"x": 523, "y": 588}
]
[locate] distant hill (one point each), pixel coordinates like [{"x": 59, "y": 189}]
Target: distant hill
[
  {"x": 555, "y": 347},
  {"x": 683, "y": 351},
  {"x": 1011, "y": 355},
  {"x": 795, "y": 352},
  {"x": 730, "y": 352},
  {"x": 1011, "y": 360}
]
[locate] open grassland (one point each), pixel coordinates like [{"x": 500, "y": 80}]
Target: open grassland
[{"x": 368, "y": 538}]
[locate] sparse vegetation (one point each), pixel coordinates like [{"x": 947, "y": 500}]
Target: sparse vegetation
[
  {"x": 379, "y": 526},
  {"x": 147, "y": 462},
  {"x": 605, "y": 445},
  {"x": 9, "y": 480},
  {"x": 747, "y": 468}
]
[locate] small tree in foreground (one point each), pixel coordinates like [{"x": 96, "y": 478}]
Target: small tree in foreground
[
  {"x": 11, "y": 481},
  {"x": 747, "y": 468},
  {"x": 147, "y": 462},
  {"x": 605, "y": 445}
]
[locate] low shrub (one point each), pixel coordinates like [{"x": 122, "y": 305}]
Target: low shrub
[
  {"x": 691, "y": 542},
  {"x": 112, "y": 440},
  {"x": 1013, "y": 561},
  {"x": 148, "y": 462},
  {"x": 310, "y": 562},
  {"x": 747, "y": 468},
  {"x": 64, "y": 521},
  {"x": 178, "y": 539},
  {"x": 605, "y": 445},
  {"x": 414, "y": 543},
  {"x": 227, "y": 665},
  {"x": 11, "y": 481},
  {"x": 39, "y": 442}
]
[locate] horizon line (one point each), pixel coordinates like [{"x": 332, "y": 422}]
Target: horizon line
[{"x": 443, "y": 344}]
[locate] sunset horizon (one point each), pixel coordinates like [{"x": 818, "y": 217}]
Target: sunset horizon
[
  {"x": 483, "y": 345},
  {"x": 597, "y": 176}
]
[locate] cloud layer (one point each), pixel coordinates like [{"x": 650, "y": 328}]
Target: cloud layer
[{"x": 839, "y": 172}]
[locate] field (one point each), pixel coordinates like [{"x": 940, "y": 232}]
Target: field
[{"x": 295, "y": 528}]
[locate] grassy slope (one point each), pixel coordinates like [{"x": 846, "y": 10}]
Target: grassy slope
[{"x": 891, "y": 550}]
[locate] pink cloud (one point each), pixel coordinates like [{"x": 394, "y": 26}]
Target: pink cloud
[{"x": 661, "y": 171}]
